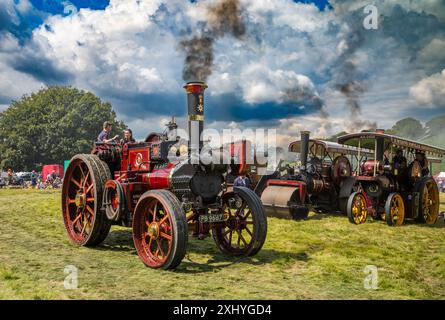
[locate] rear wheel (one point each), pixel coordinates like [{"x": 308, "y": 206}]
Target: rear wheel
[
  {"x": 357, "y": 208},
  {"x": 244, "y": 232},
  {"x": 394, "y": 210},
  {"x": 84, "y": 219},
  {"x": 160, "y": 230},
  {"x": 429, "y": 200}
]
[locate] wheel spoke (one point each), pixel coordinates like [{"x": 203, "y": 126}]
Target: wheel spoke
[
  {"x": 242, "y": 238},
  {"x": 154, "y": 211},
  {"x": 165, "y": 236},
  {"x": 76, "y": 183},
  {"x": 163, "y": 219},
  {"x": 83, "y": 229},
  {"x": 150, "y": 242},
  {"x": 81, "y": 171},
  {"x": 88, "y": 189},
  {"x": 86, "y": 179},
  {"x": 77, "y": 218},
  {"x": 249, "y": 232},
  {"x": 160, "y": 249}
]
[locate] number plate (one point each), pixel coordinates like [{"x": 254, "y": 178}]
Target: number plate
[{"x": 212, "y": 218}]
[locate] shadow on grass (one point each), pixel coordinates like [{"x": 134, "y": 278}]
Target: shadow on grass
[
  {"x": 118, "y": 240},
  {"x": 440, "y": 223},
  {"x": 219, "y": 261},
  {"x": 121, "y": 240}
]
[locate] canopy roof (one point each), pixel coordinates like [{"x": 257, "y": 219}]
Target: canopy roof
[
  {"x": 319, "y": 147},
  {"x": 367, "y": 140}
]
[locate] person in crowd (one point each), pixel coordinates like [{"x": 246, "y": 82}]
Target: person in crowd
[
  {"x": 10, "y": 175},
  {"x": 33, "y": 178},
  {"x": 242, "y": 181},
  {"x": 104, "y": 136}
]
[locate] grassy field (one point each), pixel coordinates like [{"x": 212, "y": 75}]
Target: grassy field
[{"x": 321, "y": 258}]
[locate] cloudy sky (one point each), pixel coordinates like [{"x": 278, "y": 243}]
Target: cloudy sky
[{"x": 298, "y": 65}]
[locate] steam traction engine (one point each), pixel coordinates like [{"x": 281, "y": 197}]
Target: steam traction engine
[
  {"x": 324, "y": 182},
  {"x": 139, "y": 185}
]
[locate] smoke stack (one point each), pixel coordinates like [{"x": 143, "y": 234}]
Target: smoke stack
[
  {"x": 195, "y": 107},
  {"x": 304, "y": 149}
]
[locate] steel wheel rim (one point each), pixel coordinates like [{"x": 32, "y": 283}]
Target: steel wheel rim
[
  {"x": 80, "y": 202},
  {"x": 359, "y": 209},
  {"x": 397, "y": 210},
  {"x": 157, "y": 233},
  {"x": 429, "y": 202},
  {"x": 239, "y": 229}
]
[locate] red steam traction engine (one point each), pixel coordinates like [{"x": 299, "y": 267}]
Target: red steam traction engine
[{"x": 139, "y": 185}]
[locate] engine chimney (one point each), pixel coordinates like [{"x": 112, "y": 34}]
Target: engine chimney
[
  {"x": 304, "y": 149},
  {"x": 195, "y": 103}
]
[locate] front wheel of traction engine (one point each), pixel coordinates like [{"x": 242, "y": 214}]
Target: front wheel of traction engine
[
  {"x": 160, "y": 230},
  {"x": 429, "y": 200},
  {"x": 394, "y": 210},
  {"x": 82, "y": 190},
  {"x": 245, "y": 230},
  {"x": 357, "y": 208}
]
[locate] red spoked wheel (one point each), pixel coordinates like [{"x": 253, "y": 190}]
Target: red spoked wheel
[
  {"x": 244, "y": 232},
  {"x": 85, "y": 222},
  {"x": 160, "y": 230}
]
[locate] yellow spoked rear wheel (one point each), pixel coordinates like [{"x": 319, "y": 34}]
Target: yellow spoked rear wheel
[{"x": 395, "y": 210}]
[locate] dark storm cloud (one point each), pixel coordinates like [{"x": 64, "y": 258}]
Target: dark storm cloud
[
  {"x": 40, "y": 68},
  {"x": 229, "y": 107},
  {"x": 145, "y": 105}
]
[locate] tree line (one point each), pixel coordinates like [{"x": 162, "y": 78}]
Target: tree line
[{"x": 50, "y": 126}]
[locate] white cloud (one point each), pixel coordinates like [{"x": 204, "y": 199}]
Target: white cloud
[
  {"x": 430, "y": 90},
  {"x": 260, "y": 84},
  {"x": 131, "y": 49}
]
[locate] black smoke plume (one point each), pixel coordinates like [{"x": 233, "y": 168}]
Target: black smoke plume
[
  {"x": 223, "y": 18},
  {"x": 348, "y": 79}
]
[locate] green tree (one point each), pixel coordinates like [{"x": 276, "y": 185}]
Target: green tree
[
  {"x": 409, "y": 128},
  {"x": 52, "y": 125}
]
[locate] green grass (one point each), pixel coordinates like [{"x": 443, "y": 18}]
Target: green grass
[{"x": 321, "y": 258}]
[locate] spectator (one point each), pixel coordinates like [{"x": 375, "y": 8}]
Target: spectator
[
  {"x": 104, "y": 135},
  {"x": 242, "y": 181},
  {"x": 33, "y": 178}
]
